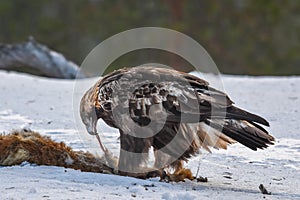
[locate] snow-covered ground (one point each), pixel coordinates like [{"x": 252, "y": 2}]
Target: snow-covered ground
[{"x": 46, "y": 105}]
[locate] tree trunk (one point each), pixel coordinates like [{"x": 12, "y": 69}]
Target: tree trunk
[{"x": 39, "y": 59}]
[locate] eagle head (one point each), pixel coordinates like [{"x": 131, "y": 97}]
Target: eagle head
[{"x": 88, "y": 112}]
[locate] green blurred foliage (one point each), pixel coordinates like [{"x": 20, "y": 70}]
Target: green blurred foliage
[{"x": 255, "y": 37}]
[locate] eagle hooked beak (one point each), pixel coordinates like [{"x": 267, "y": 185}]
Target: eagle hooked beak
[
  {"x": 92, "y": 130},
  {"x": 89, "y": 119},
  {"x": 91, "y": 127}
]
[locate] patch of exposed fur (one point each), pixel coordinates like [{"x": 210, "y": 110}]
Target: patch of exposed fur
[{"x": 16, "y": 157}]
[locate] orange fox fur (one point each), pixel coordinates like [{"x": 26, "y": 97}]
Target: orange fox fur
[
  {"x": 29, "y": 146},
  {"x": 21, "y": 146},
  {"x": 181, "y": 175}
]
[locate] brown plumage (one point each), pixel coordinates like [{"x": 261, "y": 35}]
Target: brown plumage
[{"x": 174, "y": 112}]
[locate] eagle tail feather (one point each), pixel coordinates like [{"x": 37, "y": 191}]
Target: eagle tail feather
[
  {"x": 243, "y": 132},
  {"x": 237, "y": 113}
]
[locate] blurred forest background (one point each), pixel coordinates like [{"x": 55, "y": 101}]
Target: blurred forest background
[{"x": 254, "y": 37}]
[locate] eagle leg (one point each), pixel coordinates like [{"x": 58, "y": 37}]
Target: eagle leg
[{"x": 133, "y": 153}]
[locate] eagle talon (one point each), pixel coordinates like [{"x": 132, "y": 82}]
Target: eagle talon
[
  {"x": 202, "y": 179},
  {"x": 156, "y": 173},
  {"x": 165, "y": 178}
]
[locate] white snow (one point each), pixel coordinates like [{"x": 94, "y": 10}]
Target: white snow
[{"x": 46, "y": 105}]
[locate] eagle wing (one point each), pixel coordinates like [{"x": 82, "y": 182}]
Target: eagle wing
[{"x": 137, "y": 97}]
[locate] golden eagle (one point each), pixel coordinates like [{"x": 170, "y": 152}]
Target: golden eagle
[{"x": 173, "y": 112}]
